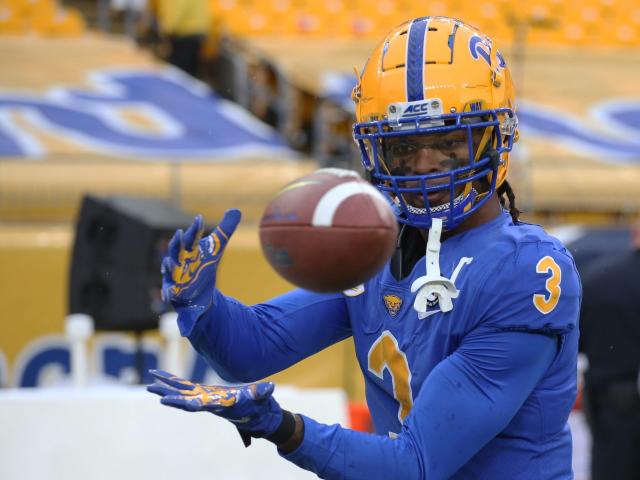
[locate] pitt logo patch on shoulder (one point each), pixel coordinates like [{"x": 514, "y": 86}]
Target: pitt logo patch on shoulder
[{"x": 393, "y": 304}]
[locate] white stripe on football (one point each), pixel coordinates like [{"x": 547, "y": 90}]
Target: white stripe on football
[{"x": 332, "y": 199}]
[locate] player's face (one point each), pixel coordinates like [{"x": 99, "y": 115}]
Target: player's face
[{"x": 424, "y": 154}]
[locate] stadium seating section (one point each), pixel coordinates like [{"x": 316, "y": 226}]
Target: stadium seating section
[
  {"x": 540, "y": 22},
  {"x": 45, "y": 18},
  {"x": 578, "y": 22}
]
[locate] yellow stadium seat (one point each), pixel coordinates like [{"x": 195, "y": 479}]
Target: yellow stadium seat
[
  {"x": 41, "y": 25},
  {"x": 333, "y": 7},
  {"x": 363, "y": 25},
  {"x": 42, "y": 17},
  {"x": 288, "y": 23},
  {"x": 224, "y": 10},
  {"x": 261, "y": 23},
  {"x": 330, "y": 26},
  {"x": 630, "y": 15},
  {"x": 18, "y": 8},
  {"x": 40, "y": 8},
  {"x": 69, "y": 23},
  {"x": 243, "y": 21},
  {"x": 488, "y": 12},
  {"x": 10, "y": 23},
  {"x": 573, "y": 22},
  {"x": 297, "y": 5},
  {"x": 215, "y": 8},
  {"x": 309, "y": 23},
  {"x": 385, "y": 8},
  {"x": 480, "y": 10},
  {"x": 323, "y": 24},
  {"x": 628, "y": 35},
  {"x": 438, "y": 7},
  {"x": 64, "y": 23},
  {"x": 541, "y": 12},
  {"x": 575, "y": 33},
  {"x": 589, "y": 15},
  {"x": 500, "y": 32},
  {"x": 380, "y": 21}
]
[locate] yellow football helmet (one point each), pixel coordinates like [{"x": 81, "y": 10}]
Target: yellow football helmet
[{"x": 435, "y": 119}]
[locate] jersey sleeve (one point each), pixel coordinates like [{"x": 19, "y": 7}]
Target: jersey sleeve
[
  {"x": 247, "y": 343},
  {"x": 466, "y": 401},
  {"x": 535, "y": 288}
]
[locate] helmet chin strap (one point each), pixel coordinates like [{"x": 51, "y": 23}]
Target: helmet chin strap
[{"x": 433, "y": 286}]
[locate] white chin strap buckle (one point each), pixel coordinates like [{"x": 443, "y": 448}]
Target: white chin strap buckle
[{"x": 433, "y": 286}]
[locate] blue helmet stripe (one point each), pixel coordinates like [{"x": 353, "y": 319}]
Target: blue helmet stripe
[{"x": 415, "y": 59}]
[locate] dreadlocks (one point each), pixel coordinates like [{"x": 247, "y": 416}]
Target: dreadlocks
[{"x": 503, "y": 189}]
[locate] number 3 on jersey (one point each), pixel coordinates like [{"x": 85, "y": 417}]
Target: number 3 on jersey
[
  {"x": 385, "y": 354},
  {"x": 545, "y": 303}
]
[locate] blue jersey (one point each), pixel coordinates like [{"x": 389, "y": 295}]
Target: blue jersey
[{"x": 481, "y": 391}]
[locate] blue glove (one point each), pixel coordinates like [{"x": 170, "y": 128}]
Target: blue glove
[
  {"x": 250, "y": 407},
  {"x": 189, "y": 270}
]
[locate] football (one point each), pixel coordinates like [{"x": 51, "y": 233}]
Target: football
[{"x": 328, "y": 231}]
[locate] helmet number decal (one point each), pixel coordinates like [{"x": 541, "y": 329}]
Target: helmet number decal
[
  {"x": 501, "y": 62},
  {"x": 385, "y": 354},
  {"x": 480, "y": 47},
  {"x": 545, "y": 303}
]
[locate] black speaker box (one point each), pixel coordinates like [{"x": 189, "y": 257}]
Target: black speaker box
[{"x": 115, "y": 269}]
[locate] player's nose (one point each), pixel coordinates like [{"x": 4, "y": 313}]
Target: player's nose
[{"x": 427, "y": 160}]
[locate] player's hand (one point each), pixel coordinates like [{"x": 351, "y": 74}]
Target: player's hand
[
  {"x": 189, "y": 269},
  {"x": 250, "y": 407}
]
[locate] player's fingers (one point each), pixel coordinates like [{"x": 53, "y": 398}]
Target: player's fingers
[
  {"x": 168, "y": 292},
  {"x": 168, "y": 284},
  {"x": 161, "y": 389},
  {"x": 175, "y": 244},
  {"x": 193, "y": 234},
  {"x": 183, "y": 403},
  {"x": 262, "y": 390},
  {"x": 166, "y": 268},
  {"x": 227, "y": 225},
  {"x": 213, "y": 244},
  {"x": 239, "y": 421},
  {"x": 172, "y": 380}
]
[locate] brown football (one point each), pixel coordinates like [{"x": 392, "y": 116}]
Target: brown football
[{"x": 328, "y": 231}]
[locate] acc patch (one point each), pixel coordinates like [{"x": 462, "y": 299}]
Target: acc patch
[{"x": 393, "y": 304}]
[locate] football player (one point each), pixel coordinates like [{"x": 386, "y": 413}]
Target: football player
[{"x": 468, "y": 350}]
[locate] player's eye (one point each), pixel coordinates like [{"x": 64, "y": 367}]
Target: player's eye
[
  {"x": 402, "y": 149},
  {"x": 448, "y": 144},
  {"x": 401, "y": 168}
]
